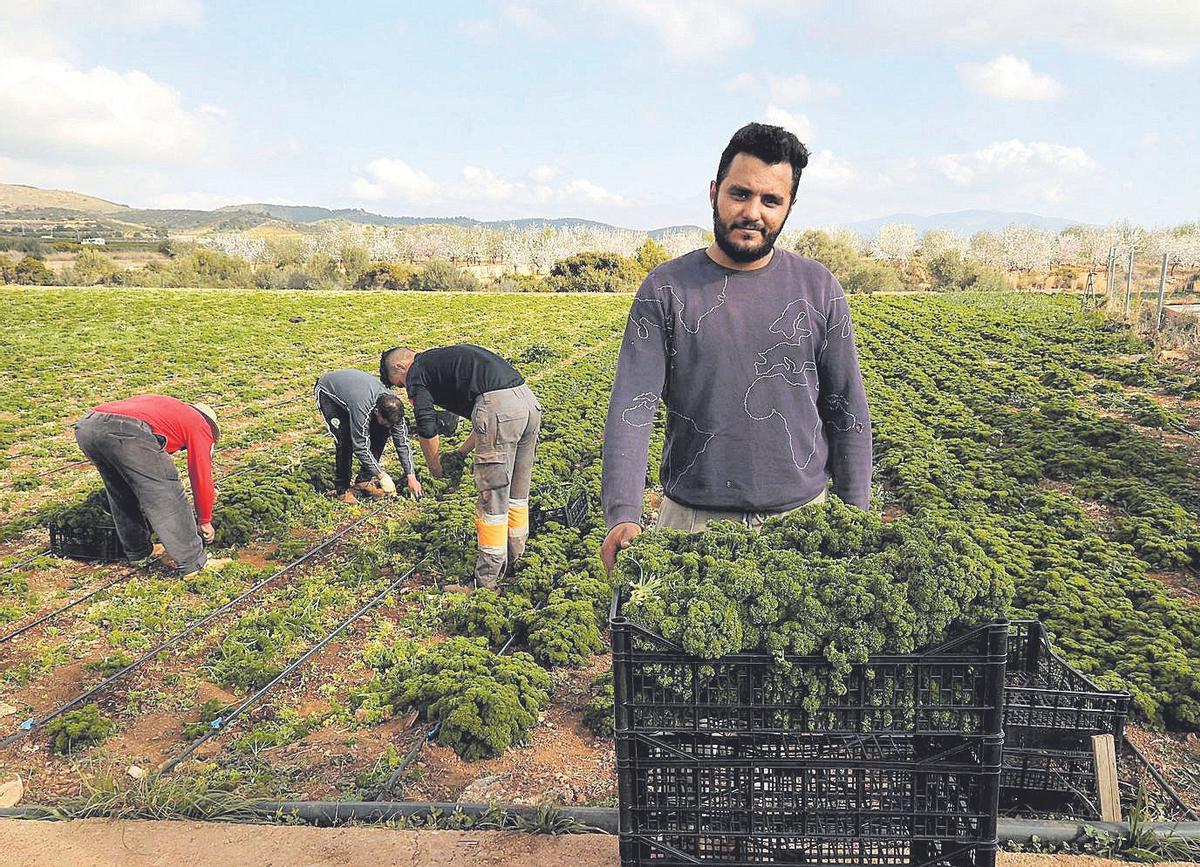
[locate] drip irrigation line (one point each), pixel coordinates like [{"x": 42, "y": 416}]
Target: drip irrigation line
[
  {"x": 70, "y": 605},
  {"x": 33, "y": 723},
  {"x": 1161, "y": 780},
  {"x": 27, "y": 560},
  {"x": 219, "y": 724}
]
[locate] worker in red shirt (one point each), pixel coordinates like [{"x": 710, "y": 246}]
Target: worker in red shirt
[{"x": 130, "y": 441}]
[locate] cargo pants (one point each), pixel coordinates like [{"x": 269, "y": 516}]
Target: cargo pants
[
  {"x": 143, "y": 488},
  {"x": 676, "y": 516},
  {"x": 506, "y": 423}
]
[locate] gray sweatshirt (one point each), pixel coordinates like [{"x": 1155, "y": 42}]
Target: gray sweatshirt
[
  {"x": 357, "y": 391},
  {"x": 759, "y": 375}
]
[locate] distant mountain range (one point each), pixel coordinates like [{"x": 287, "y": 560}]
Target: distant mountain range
[
  {"x": 965, "y": 222},
  {"x": 20, "y": 204}
]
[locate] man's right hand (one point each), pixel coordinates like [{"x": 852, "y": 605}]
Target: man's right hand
[
  {"x": 617, "y": 540},
  {"x": 207, "y": 533}
]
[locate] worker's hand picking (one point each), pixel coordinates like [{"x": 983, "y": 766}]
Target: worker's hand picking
[
  {"x": 617, "y": 540},
  {"x": 207, "y": 533}
]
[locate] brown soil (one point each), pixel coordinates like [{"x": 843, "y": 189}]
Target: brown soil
[
  {"x": 1177, "y": 757},
  {"x": 108, "y": 842},
  {"x": 103, "y": 843}
]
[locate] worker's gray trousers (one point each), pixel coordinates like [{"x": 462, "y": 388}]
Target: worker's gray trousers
[
  {"x": 676, "y": 516},
  {"x": 143, "y": 487},
  {"x": 506, "y": 424}
]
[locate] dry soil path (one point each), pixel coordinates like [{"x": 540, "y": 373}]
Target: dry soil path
[{"x": 96, "y": 842}]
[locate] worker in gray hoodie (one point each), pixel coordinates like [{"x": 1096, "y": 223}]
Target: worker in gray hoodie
[{"x": 361, "y": 414}]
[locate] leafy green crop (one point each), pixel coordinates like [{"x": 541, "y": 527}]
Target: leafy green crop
[
  {"x": 78, "y": 728},
  {"x": 483, "y": 703}
]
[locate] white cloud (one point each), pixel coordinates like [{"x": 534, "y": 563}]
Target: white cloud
[
  {"x": 52, "y": 108},
  {"x": 796, "y": 123},
  {"x": 828, "y": 171},
  {"x": 395, "y": 180},
  {"x": 488, "y": 185},
  {"x": 479, "y": 188},
  {"x": 1016, "y": 154},
  {"x": 741, "y": 82},
  {"x": 791, "y": 89},
  {"x": 582, "y": 189},
  {"x": 1009, "y": 77},
  {"x": 1166, "y": 32},
  {"x": 200, "y": 201},
  {"x": 694, "y": 29},
  {"x": 545, "y": 174},
  {"x": 525, "y": 17}
]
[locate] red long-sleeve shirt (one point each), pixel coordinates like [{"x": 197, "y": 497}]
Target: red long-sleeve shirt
[{"x": 184, "y": 427}]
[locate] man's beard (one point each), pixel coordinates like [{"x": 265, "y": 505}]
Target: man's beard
[{"x": 741, "y": 255}]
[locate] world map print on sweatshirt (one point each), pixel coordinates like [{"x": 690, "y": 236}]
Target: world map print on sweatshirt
[{"x": 759, "y": 375}]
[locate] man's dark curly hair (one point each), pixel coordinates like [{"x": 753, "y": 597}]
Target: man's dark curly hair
[{"x": 771, "y": 144}]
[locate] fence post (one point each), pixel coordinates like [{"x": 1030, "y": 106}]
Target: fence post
[
  {"x": 1129, "y": 280},
  {"x": 1162, "y": 291},
  {"x": 1108, "y": 275}
]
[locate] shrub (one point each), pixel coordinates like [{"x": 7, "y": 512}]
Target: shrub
[
  {"x": 521, "y": 283},
  {"x": 91, "y": 268},
  {"x": 32, "y": 271},
  {"x": 441, "y": 276},
  {"x": 838, "y": 256},
  {"x": 871, "y": 276},
  {"x": 651, "y": 254},
  {"x": 7, "y": 270},
  {"x": 385, "y": 275},
  {"x": 595, "y": 272}
]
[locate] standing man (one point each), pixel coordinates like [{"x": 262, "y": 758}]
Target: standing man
[
  {"x": 361, "y": 414},
  {"x": 752, "y": 351},
  {"x": 130, "y": 441},
  {"x": 505, "y": 418}
]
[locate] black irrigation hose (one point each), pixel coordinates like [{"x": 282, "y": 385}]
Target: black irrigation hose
[
  {"x": 33, "y": 723},
  {"x": 27, "y": 560},
  {"x": 1162, "y": 781},
  {"x": 67, "y": 607},
  {"x": 219, "y": 724}
]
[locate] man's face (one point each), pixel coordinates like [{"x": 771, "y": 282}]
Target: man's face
[
  {"x": 399, "y": 374},
  {"x": 750, "y": 207}
]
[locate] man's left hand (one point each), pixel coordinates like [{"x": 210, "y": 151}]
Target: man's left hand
[
  {"x": 414, "y": 486},
  {"x": 207, "y": 533}
]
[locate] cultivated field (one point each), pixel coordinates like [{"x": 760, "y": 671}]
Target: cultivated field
[{"x": 1046, "y": 435}]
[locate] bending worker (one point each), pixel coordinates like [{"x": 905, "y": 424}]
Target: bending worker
[
  {"x": 505, "y": 418},
  {"x": 130, "y": 441},
  {"x": 361, "y": 414}
]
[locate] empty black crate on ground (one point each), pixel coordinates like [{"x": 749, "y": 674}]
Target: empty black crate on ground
[
  {"x": 85, "y": 543},
  {"x": 1051, "y": 713},
  {"x": 568, "y": 505},
  {"x": 718, "y": 761}
]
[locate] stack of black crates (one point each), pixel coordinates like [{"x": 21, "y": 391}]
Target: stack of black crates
[
  {"x": 720, "y": 762},
  {"x": 1051, "y": 712}
]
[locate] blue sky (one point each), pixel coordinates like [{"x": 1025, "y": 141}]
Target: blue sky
[{"x": 615, "y": 111}]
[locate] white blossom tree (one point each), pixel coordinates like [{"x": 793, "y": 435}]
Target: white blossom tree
[{"x": 894, "y": 242}]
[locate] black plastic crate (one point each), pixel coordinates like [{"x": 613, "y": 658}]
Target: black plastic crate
[
  {"x": 85, "y": 543},
  {"x": 568, "y": 505},
  {"x": 1051, "y": 712},
  {"x": 719, "y": 762}
]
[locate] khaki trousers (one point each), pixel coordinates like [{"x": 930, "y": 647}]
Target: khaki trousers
[
  {"x": 676, "y": 516},
  {"x": 506, "y": 424}
]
